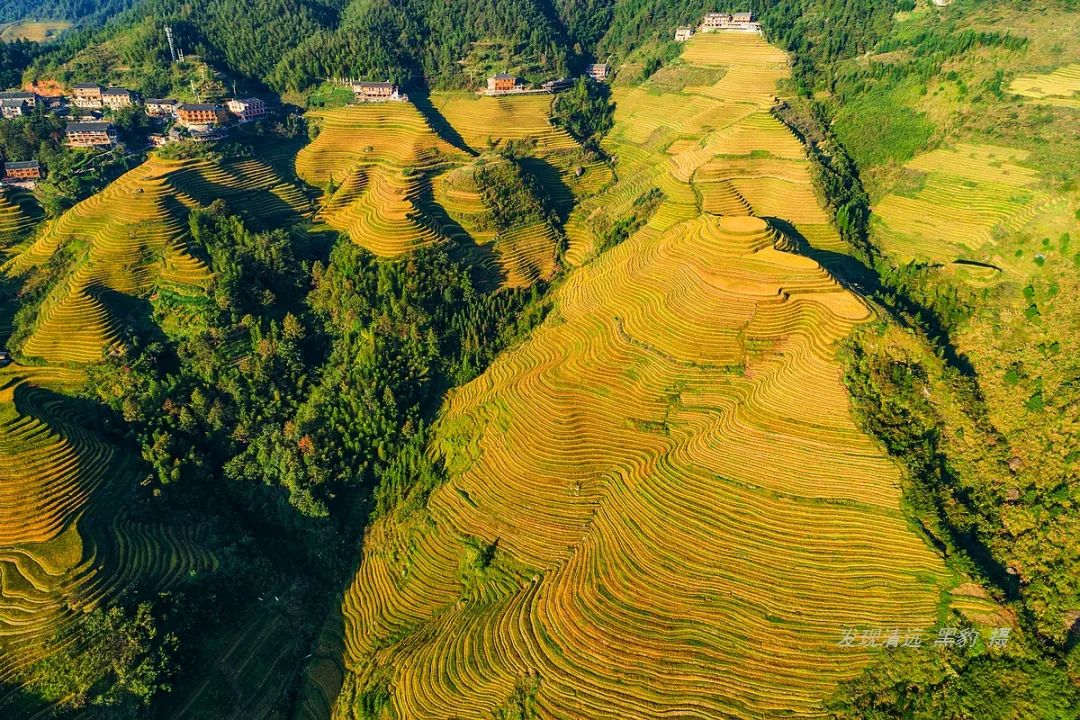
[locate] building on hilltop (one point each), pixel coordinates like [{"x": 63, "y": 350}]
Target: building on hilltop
[
  {"x": 115, "y": 98},
  {"x": 201, "y": 114},
  {"x": 376, "y": 91},
  {"x": 90, "y": 134},
  {"x": 729, "y": 21},
  {"x": 247, "y": 109},
  {"x": 13, "y": 108},
  {"x": 161, "y": 107},
  {"x": 682, "y": 34},
  {"x": 29, "y": 98},
  {"x": 87, "y": 95},
  {"x": 504, "y": 82},
  {"x": 22, "y": 173},
  {"x": 598, "y": 71}
]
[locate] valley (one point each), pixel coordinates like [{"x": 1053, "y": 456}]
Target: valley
[{"x": 655, "y": 397}]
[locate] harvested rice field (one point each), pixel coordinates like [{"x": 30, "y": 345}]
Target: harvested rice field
[{"x": 603, "y": 546}]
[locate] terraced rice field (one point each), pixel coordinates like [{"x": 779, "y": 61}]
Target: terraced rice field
[
  {"x": 642, "y": 568},
  {"x": 132, "y": 238},
  {"x": 716, "y": 149},
  {"x": 521, "y": 255},
  {"x": 36, "y": 31},
  {"x": 1059, "y": 87},
  {"x": 64, "y": 541},
  {"x": 659, "y": 505},
  {"x": 18, "y": 216},
  {"x": 398, "y": 186},
  {"x": 970, "y": 194},
  {"x": 482, "y": 121},
  {"x": 379, "y": 156}
]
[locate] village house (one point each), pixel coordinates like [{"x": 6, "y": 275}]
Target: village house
[
  {"x": 22, "y": 172},
  {"x": 247, "y": 109},
  {"x": 554, "y": 86},
  {"x": 682, "y": 34},
  {"x": 375, "y": 91},
  {"x": 12, "y": 108},
  {"x": 20, "y": 95},
  {"x": 116, "y": 98},
  {"x": 207, "y": 133},
  {"x": 161, "y": 107},
  {"x": 729, "y": 21},
  {"x": 504, "y": 82},
  {"x": 86, "y": 95},
  {"x": 90, "y": 134},
  {"x": 201, "y": 114},
  {"x": 598, "y": 71}
]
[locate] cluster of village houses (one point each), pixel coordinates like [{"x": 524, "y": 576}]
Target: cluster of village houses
[
  {"x": 206, "y": 122},
  {"x": 500, "y": 84},
  {"x": 86, "y": 127},
  {"x": 715, "y": 21}
]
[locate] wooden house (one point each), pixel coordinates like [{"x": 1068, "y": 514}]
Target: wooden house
[
  {"x": 90, "y": 134},
  {"x": 201, "y": 114},
  {"x": 87, "y": 95},
  {"x": 27, "y": 170},
  {"x": 504, "y": 82}
]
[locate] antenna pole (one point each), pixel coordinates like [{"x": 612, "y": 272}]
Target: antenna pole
[{"x": 172, "y": 47}]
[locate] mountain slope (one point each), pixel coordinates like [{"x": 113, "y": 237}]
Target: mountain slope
[{"x": 601, "y": 548}]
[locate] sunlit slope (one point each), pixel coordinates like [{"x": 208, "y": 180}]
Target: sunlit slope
[
  {"x": 65, "y": 544},
  {"x": 374, "y": 159},
  {"x": 1059, "y": 87},
  {"x": 964, "y": 200},
  {"x": 658, "y": 506},
  {"x": 485, "y": 121},
  {"x": 132, "y": 238},
  {"x": 521, "y": 254},
  {"x": 715, "y": 148}
]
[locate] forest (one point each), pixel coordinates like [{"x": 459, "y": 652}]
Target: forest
[{"x": 296, "y": 397}]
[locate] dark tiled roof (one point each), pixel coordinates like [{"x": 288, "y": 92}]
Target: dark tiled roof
[
  {"x": 376, "y": 84},
  {"x": 15, "y": 94},
  {"x": 12, "y": 102},
  {"x": 505, "y": 76},
  {"x": 22, "y": 165},
  {"x": 88, "y": 127},
  {"x": 200, "y": 106},
  {"x": 115, "y": 91}
]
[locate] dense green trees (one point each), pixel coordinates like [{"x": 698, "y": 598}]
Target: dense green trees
[
  {"x": 81, "y": 10},
  {"x": 114, "y": 659},
  {"x": 14, "y": 59},
  {"x": 585, "y": 110},
  {"x": 932, "y": 683},
  {"x": 318, "y": 396}
]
